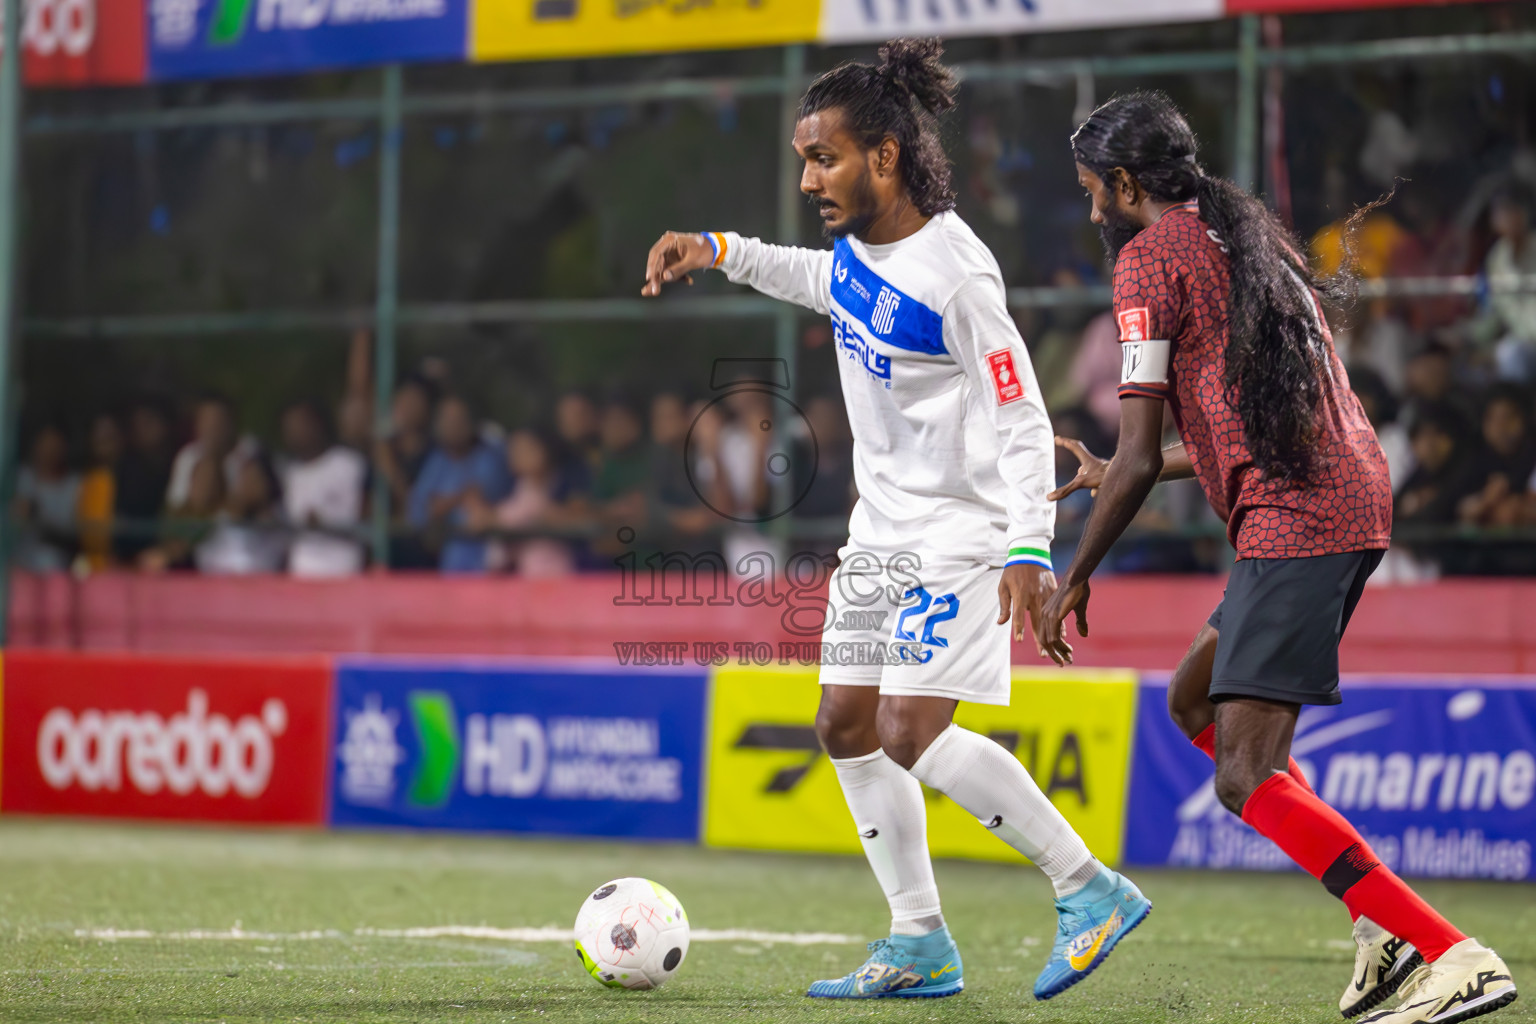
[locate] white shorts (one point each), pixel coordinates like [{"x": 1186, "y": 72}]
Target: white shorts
[{"x": 920, "y": 630}]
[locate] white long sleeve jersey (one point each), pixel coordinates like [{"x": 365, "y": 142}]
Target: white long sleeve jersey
[{"x": 952, "y": 452}]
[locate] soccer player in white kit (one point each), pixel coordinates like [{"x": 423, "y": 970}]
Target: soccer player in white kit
[{"x": 953, "y": 461}]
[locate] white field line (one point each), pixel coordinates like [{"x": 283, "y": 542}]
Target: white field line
[{"x": 238, "y": 934}]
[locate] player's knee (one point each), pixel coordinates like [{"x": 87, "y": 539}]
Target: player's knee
[
  {"x": 1235, "y": 783},
  {"x": 899, "y": 737},
  {"x": 844, "y": 733},
  {"x": 1190, "y": 710}
]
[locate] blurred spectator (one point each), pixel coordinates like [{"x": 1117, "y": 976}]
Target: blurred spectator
[
  {"x": 823, "y": 463},
  {"x": 1096, "y": 372},
  {"x": 213, "y": 433},
  {"x": 354, "y": 417},
  {"x": 1502, "y": 464},
  {"x": 620, "y": 482},
  {"x": 675, "y": 484},
  {"x": 1374, "y": 244},
  {"x": 47, "y": 498},
  {"x": 1053, "y": 347},
  {"x": 746, "y": 441},
  {"x": 400, "y": 456},
  {"x": 461, "y": 465},
  {"x": 322, "y": 491},
  {"x": 580, "y": 446},
  {"x": 1509, "y": 323},
  {"x": 533, "y": 503},
  {"x": 1381, "y": 408},
  {"x": 1381, "y": 343},
  {"x": 186, "y": 526},
  {"x": 1440, "y": 479},
  {"x": 142, "y": 479},
  {"x": 98, "y": 492},
  {"x": 248, "y": 536},
  {"x": 1430, "y": 381}
]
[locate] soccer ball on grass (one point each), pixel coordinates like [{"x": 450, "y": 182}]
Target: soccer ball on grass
[{"x": 631, "y": 933}]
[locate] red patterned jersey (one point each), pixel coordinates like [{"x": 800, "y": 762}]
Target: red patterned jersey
[{"x": 1171, "y": 284}]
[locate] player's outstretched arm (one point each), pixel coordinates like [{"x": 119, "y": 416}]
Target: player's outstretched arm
[
  {"x": 785, "y": 272},
  {"x": 1128, "y": 478},
  {"x": 675, "y": 256},
  {"x": 1091, "y": 468}
]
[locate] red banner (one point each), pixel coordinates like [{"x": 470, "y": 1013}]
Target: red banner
[
  {"x": 84, "y": 42},
  {"x": 138, "y": 737},
  {"x": 1320, "y": 6}
]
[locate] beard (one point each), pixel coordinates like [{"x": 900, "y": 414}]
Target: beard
[
  {"x": 1116, "y": 231},
  {"x": 858, "y": 215}
]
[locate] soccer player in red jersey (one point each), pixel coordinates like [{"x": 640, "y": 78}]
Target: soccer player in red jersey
[{"x": 1219, "y": 318}]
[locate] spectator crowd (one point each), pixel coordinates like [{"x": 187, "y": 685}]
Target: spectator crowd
[
  {"x": 1446, "y": 380},
  {"x": 463, "y": 494}
]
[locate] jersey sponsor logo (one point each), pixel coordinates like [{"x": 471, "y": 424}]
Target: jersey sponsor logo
[
  {"x": 856, "y": 348},
  {"x": 840, "y": 271},
  {"x": 884, "y": 318},
  {"x": 1135, "y": 324},
  {"x": 1005, "y": 377}
]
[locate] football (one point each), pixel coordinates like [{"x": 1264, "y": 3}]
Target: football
[{"x": 631, "y": 933}]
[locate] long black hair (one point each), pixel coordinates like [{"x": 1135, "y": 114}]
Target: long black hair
[
  {"x": 899, "y": 98},
  {"x": 1277, "y": 356}
]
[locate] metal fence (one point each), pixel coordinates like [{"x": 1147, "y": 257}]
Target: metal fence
[{"x": 1246, "y": 61}]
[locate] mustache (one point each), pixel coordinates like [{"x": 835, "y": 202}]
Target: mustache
[{"x": 822, "y": 203}]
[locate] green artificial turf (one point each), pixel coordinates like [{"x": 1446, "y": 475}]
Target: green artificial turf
[{"x": 1219, "y": 947}]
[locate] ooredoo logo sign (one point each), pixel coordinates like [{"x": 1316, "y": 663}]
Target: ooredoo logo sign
[
  {"x": 189, "y": 751},
  {"x": 135, "y": 737},
  {"x": 83, "y": 42}
]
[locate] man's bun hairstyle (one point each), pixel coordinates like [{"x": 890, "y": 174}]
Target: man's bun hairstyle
[{"x": 899, "y": 98}]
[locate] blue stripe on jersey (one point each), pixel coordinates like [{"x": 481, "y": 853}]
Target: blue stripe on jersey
[{"x": 889, "y": 314}]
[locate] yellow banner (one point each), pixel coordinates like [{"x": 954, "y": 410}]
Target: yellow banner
[
  {"x": 533, "y": 29},
  {"x": 770, "y": 786}
]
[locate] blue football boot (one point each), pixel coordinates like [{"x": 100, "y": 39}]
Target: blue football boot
[
  {"x": 1090, "y": 923},
  {"x": 902, "y": 966}
]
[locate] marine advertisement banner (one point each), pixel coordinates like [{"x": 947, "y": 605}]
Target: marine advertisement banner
[{"x": 1440, "y": 778}]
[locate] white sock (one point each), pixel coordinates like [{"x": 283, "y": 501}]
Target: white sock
[
  {"x": 991, "y": 784},
  {"x": 887, "y": 807}
]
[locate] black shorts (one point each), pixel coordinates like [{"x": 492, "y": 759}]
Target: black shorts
[{"x": 1280, "y": 623}]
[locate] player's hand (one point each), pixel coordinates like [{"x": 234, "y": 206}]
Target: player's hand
[
  {"x": 1048, "y": 624},
  {"x": 676, "y": 255},
  {"x": 1024, "y": 590},
  {"x": 1090, "y": 470}
]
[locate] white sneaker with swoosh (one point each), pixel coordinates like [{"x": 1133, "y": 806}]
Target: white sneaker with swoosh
[
  {"x": 1467, "y": 981},
  {"x": 1382, "y": 962}
]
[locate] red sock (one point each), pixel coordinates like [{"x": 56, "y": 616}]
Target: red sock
[
  {"x": 1206, "y": 741},
  {"x": 1329, "y": 849}
]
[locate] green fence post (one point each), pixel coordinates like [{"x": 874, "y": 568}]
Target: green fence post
[
  {"x": 1245, "y": 158},
  {"x": 787, "y": 232},
  {"x": 387, "y": 302},
  {"x": 10, "y": 214}
]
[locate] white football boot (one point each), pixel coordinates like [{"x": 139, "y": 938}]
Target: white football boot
[
  {"x": 1467, "y": 981},
  {"x": 1382, "y": 962}
]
